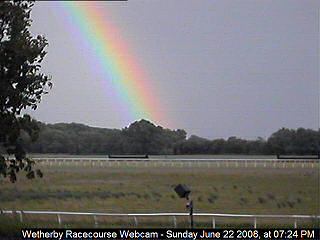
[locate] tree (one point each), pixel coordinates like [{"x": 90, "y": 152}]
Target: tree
[
  {"x": 194, "y": 145},
  {"x": 289, "y": 141},
  {"x": 143, "y": 137},
  {"x": 21, "y": 84}
]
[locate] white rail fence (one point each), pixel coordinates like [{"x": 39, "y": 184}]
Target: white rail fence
[
  {"x": 174, "y": 216},
  {"x": 178, "y": 162}
]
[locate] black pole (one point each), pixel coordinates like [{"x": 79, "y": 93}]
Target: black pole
[
  {"x": 190, "y": 207},
  {"x": 191, "y": 213}
]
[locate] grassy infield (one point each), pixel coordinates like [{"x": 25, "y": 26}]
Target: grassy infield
[{"x": 141, "y": 189}]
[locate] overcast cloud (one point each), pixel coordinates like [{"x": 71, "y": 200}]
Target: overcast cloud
[{"x": 221, "y": 68}]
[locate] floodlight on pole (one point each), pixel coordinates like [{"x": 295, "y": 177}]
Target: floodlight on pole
[{"x": 184, "y": 191}]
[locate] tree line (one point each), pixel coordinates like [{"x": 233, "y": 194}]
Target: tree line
[{"x": 143, "y": 137}]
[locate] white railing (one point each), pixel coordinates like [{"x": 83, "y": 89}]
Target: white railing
[
  {"x": 179, "y": 162},
  {"x": 170, "y": 159},
  {"x": 135, "y": 216}
]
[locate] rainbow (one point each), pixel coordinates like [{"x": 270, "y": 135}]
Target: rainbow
[{"x": 122, "y": 71}]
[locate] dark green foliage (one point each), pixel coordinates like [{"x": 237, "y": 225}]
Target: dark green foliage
[
  {"x": 21, "y": 84},
  {"x": 194, "y": 144},
  {"x": 143, "y": 137},
  {"x": 139, "y": 138},
  {"x": 290, "y": 141},
  {"x": 284, "y": 141}
]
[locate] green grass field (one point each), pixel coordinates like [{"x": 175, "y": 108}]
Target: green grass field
[{"x": 146, "y": 189}]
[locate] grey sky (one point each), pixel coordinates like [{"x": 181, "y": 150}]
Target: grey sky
[{"x": 222, "y": 68}]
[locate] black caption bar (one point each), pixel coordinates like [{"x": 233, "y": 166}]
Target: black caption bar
[{"x": 43, "y": 233}]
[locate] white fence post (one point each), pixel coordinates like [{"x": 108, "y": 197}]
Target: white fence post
[
  {"x": 95, "y": 220},
  {"x": 255, "y": 223},
  {"x": 174, "y": 221},
  {"x": 135, "y": 221},
  {"x": 59, "y": 219},
  {"x": 295, "y": 223},
  {"x": 213, "y": 222},
  {"x": 21, "y": 217}
]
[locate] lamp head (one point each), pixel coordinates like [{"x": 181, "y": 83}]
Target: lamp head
[{"x": 182, "y": 190}]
